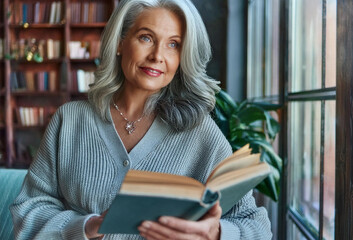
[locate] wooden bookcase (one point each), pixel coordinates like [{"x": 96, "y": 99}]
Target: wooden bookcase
[
  {"x": 50, "y": 49},
  {"x": 2, "y": 87}
]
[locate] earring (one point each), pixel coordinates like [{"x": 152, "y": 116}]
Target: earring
[{"x": 118, "y": 53}]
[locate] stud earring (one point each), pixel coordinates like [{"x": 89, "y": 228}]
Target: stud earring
[{"x": 118, "y": 53}]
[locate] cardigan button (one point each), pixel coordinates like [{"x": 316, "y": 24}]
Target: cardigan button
[{"x": 126, "y": 163}]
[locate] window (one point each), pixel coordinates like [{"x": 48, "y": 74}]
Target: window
[
  {"x": 311, "y": 117},
  {"x": 263, "y": 50},
  {"x": 299, "y": 71}
]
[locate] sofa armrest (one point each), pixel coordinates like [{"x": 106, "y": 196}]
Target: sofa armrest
[{"x": 11, "y": 181}]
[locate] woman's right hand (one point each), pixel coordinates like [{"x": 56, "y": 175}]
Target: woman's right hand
[{"x": 92, "y": 226}]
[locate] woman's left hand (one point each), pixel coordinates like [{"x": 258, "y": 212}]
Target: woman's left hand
[{"x": 207, "y": 228}]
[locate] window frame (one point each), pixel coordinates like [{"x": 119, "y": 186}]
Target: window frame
[
  {"x": 344, "y": 116},
  {"x": 343, "y": 95}
]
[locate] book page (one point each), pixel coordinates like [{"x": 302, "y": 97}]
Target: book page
[
  {"x": 163, "y": 190},
  {"x": 234, "y": 163},
  {"x": 238, "y": 176},
  {"x": 160, "y": 178}
]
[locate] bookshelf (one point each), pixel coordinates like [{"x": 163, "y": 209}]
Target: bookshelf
[{"x": 50, "y": 49}]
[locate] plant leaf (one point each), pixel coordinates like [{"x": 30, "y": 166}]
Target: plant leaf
[
  {"x": 272, "y": 125},
  {"x": 276, "y": 160},
  {"x": 225, "y": 103},
  {"x": 224, "y": 96},
  {"x": 221, "y": 120},
  {"x": 267, "y": 106},
  {"x": 268, "y": 187},
  {"x": 242, "y": 123},
  {"x": 247, "y": 134}
]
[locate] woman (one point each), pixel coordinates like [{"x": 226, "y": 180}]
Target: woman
[{"x": 148, "y": 110}]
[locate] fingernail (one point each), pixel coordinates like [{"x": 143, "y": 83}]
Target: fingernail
[
  {"x": 146, "y": 224},
  {"x": 142, "y": 229},
  {"x": 163, "y": 220}
]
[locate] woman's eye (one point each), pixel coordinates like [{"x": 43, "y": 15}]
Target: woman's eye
[
  {"x": 173, "y": 45},
  {"x": 145, "y": 38}
]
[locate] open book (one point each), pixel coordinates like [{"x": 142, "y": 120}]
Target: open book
[{"x": 149, "y": 195}]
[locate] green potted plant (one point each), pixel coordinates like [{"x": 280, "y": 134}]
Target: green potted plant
[{"x": 251, "y": 123}]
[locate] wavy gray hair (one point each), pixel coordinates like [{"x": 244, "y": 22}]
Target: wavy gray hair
[{"x": 190, "y": 96}]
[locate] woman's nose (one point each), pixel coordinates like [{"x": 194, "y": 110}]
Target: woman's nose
[{"x": 156, "y": 54}]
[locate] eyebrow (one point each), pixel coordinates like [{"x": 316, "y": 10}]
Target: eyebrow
[{"x": 149, "y": 30}]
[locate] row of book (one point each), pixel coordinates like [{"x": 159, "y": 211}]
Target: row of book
[
  {"x": 36, "y": 12},
  {"x": 81, "y": 80},
  {"x": 34, "y": 81},
  {"x": 34, "y": 116},
  {"x": 84, "y": 49},
  {"x": 46, "y": 48},
  {"x": 89, "y": 12},
  {"x": 30, "y": 116}
]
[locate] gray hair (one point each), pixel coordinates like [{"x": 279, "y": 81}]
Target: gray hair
[{"x": 190, "y": 96}]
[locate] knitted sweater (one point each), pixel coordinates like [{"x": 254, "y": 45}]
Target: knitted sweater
[{"x": 81, "y": 164}]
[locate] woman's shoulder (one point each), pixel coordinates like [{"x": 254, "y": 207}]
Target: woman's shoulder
[
  {"x": 76, "y": 108},
  {"x": 209, "y": 132},
  {"x": 75, "y": 112},
  {"x": 208, "y": 126},
  {"x": 76, "y": 105}
]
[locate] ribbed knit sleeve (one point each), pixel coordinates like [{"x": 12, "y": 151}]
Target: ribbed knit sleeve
[
  {"x": 246, "y": 221},
  {"x": 38, "y": 212}
]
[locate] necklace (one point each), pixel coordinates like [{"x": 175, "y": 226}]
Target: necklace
[{"x": 130, "y": 125}]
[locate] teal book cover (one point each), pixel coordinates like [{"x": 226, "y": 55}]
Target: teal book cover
[
  {"x": 136, "y": 209},
  {"x": 150, "y": 195}
]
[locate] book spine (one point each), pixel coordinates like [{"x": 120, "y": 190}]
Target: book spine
[{"x": 24, "y": 13}]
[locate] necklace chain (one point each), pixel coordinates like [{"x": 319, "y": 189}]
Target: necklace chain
[{"x": 130, "y": 125}]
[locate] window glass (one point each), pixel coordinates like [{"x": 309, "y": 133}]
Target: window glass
[
  {"x": 304, "y": 160},
  {"x": 305, "y": 47},
  {"x": 263, "y": 49},
  {"x": 255, "y": 49},
  {"x": 329, "y": 170},
  {"x": 272, "y": 48},
  {"x": 330, "y": 79},
  {"x": 294, "y": 233}
]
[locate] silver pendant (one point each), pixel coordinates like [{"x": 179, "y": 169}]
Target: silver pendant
[{"x": 130, "y": 127}]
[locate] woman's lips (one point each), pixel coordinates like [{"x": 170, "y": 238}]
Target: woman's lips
[{"x": 151, "y": 71}]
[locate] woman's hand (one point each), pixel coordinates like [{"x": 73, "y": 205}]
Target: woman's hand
[
  {"x": 92, "y": 226},
  {"x": 207, "y": 228}
]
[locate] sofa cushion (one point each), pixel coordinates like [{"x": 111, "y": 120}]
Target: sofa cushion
[{"x": 10, "y": 185}]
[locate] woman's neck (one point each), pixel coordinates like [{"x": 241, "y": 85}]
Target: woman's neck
[{"x": 131, "y": 104}]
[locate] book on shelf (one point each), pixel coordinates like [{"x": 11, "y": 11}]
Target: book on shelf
[
  {"x": 81, "y": 80},
  {"x": 36, "y": 12},
  {"x": 34, "y": 116},
  {"x": 88, "y": 12},
  {"x": 149, "y": 195},
  {"x": 84, "y": 49},
  {"x": 34, "y": 81},
  {"x": 31, "y": 116},
  {"x": 47, "y": 48},
  {"x": 58, "y": 12}
]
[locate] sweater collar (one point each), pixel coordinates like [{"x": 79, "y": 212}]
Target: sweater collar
[{"x": 153, "y": 137}]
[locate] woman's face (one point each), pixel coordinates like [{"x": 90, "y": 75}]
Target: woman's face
[{"x": 150, "y": 52}]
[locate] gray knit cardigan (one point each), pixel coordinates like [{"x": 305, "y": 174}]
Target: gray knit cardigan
[{"x": 82, "y": 162}]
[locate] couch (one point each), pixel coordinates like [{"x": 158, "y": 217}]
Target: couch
[{"x": 10, "y": 184}]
